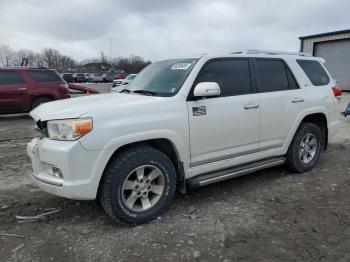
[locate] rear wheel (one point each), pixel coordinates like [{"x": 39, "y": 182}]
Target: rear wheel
[
  {"x": 40, "y": 100},
  {"x": 305, "y": 148},
  {"x": 138, "y": 185}
]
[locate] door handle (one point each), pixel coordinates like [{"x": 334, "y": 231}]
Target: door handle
[
  {"x": 298, "y": 100},
  {"x": 21, "y": 89},
  {"x": 251, "y": 106}
]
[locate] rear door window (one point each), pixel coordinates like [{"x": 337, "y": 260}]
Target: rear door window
[
  {"x": 273, "y": 76},
  {"x": 44, "y": 76},
  {"x": 232, "y": 75},
  {"x": 11, "y": 78},
  {"x": 315, "y": 72}
]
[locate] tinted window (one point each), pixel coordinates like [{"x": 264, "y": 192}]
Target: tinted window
[
  {"x": 233, "y": 76},
  {"x": 292, "y": 83},
  {"x": 11, "y": 78},
  {"x": 315, "y": 72},
  {"x": 44, "y": 76},
  {"x": 272, "y": 75}
]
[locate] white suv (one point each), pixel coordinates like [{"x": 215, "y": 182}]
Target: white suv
[{"x": 185, "y": 123}]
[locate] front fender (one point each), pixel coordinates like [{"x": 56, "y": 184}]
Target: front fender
[{"x": 113, "y": 145}]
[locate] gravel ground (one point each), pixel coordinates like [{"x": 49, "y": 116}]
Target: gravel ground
[{"x": 271, "y": 215}]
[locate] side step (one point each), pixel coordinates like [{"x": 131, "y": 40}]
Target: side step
[{"x": 217, "y": 176}]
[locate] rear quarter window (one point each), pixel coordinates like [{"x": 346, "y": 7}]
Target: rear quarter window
[
  {"x": 315, "y": 72},
  {"x": 44, "y": 76},
  {"x": 11, "y": 78}
]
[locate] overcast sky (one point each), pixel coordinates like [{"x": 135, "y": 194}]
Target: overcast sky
[{"x": 160, "y": 29}]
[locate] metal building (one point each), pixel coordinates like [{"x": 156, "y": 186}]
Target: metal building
[{"x": 334, "y": 47}]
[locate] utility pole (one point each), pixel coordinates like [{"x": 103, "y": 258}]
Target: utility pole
[{"x": 110, "y": 49}]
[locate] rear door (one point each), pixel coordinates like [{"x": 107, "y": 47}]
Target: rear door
[
  {"x": 281, "y": 101},
  {"x": 228, "y": 125},
  {"x": 13, "y": 92},
  {"x": 47, "y": 82}
]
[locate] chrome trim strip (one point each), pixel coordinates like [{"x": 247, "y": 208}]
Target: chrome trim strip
[
  {"x": 239, "y": 173},
  {"x": 224, "y": 158}
]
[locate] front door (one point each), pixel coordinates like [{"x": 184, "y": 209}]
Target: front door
[{"x": 228, "y": 125}]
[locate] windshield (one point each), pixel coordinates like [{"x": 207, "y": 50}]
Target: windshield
[
  {"x": 163, "y": 78},
  {"x": 129, "y": 77}
]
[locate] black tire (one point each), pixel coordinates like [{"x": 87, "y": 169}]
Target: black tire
[
  {"x": 294, "y": 162},
  {"x": 117, "y": 171},
  {"x": 40, "y": 100}
]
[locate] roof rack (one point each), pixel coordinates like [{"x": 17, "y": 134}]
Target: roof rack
[{"x": 269, "y": 52}]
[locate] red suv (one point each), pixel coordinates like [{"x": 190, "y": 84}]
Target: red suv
[{"x": 24, "y": 88}]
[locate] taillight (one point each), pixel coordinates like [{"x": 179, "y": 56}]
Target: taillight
[{"x": 336, "y": 91}]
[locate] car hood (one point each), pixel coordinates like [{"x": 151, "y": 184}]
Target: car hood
[{"x": 76, "y": 107}]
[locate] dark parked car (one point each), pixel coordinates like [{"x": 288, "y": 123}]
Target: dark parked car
[
  {"x": 24, "y": 88},
  {"x": 109, "y": 77},
  {"x": 68, "y": 78},
  {"x": 79, "y": 78}
]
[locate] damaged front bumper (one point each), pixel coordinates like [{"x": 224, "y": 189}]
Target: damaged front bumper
[{"x": 64, "y": 168}]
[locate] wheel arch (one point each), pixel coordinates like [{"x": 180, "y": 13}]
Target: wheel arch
[
  {"x": 35, "y": 97},
  {"x": 164, "y": 145},
  {"x": 320, "y": 120},
  {"x": 317, "y": 116}
]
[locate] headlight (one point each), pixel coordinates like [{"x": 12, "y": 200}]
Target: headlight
[{"x": 69, "y": 129}]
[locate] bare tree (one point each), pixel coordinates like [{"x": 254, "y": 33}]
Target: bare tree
[
  {"x": 132, "y": 65},
  {"x": 23, "y": 53},
  {"x": 53, "y": 59},
  {"x": 38, "y": 60},
  {"x": 6, "y": 55}
]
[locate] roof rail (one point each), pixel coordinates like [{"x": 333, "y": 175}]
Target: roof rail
[{"x": 269, "y": 52}]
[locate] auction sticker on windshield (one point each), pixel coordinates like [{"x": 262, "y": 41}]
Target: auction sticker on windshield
[{"x": 181, "y": 66}]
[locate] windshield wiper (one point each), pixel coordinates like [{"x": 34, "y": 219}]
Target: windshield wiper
[
  {"x": 125, "y": 90},
  {"x": 146, "y": 92}
]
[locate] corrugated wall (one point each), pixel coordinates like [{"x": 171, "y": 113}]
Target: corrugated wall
[{"x": 308, "y": 44}]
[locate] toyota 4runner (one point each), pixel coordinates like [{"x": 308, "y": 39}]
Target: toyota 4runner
[{"x": 185, "y": 123}]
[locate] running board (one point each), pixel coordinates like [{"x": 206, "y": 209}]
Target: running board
[{"x": 214, "y": 177}]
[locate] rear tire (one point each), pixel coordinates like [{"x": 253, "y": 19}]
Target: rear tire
[
  {"x": 138, "y": 185},
  {"x": 40, "y": 100},
  {"x": 305, "y": 148}
]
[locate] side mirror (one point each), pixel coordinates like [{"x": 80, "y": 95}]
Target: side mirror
[{"x": 206, "y": 89}]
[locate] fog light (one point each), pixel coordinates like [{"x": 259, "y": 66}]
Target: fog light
[{"x": 57, "y": 172}]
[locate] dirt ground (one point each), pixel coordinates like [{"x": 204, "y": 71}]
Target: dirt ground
[{"x": 272, "y": 215}]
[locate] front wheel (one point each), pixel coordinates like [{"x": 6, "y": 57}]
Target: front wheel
[
  {"x": 40, "y": 100},
  {"x": 305, "y": 148},
  {"x": 138, "y": 185}
]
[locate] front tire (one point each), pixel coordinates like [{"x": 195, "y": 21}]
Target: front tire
[
  {"x": 305, "y": 148},
  {"x": 138, "y": 185},
  {"x": 40, "y": 100}
]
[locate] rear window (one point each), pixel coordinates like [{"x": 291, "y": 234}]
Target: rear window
[
  {"x": 11, "y": 78},
  {"x": 272, "y": 75},
  {"x": 44, "y": 76},
  {"x": 315, "y": 72}
]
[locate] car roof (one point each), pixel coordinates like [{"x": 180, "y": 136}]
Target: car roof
[
  {"x": 256, "y": 53},
  {"x": 24, "y": 68},
  {"x": 268, "y": 54}
]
